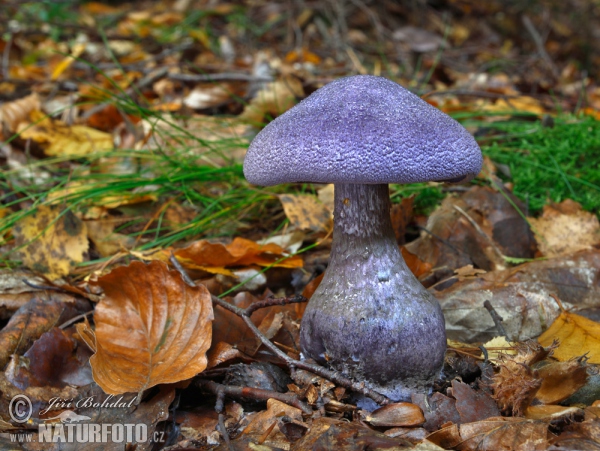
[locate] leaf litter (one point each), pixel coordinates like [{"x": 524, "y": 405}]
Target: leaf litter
[{"x": 501, "y": 388}]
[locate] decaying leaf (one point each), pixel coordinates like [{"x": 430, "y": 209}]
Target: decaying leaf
[
  {"x": 106, "y": 241},
  {"x": 274, "y": 99},
  {"x": 305, "y": 212},
  {"x": 151, "y": 328},
  {"x": 58, "y": 138},
  {"x": 12, "y": 113},
  {"x": 521, "y": 296},
  {"x": 34, "y": 319},
  {"x": 473, "y": 405},
  {"x": 54, "y": 241},
  {"x": 214, "y": 258},
  {"x": 577, "y": 336},
  {"x": 565, "y": 228}
]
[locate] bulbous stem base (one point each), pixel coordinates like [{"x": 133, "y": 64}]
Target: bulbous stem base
[{"x": 370, "y": 318}]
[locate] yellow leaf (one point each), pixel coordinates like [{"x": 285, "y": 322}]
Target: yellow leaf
[
  {"x": 53, "y": 243},
  {"x": 306, "y": 212},
  {"x": 57, "y": 138},
  {"x": 577, "y": 335},
  {"x": 67, "y": 61}
]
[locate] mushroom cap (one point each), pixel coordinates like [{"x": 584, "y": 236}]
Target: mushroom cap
[{"x": 362, "y": 129}]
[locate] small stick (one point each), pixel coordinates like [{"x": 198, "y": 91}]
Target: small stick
[
  {"x": 257, "y": 394},
  {"x": 271, "y": 301},
  {"x": 539, "y": 43},
  {"x": 292, "y": 363},
  {"x": 496, "y": 318}
]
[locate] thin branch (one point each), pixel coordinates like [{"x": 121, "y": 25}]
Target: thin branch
[
  {"x": 496, "y": 318},
  {"x": 257, "y": 394},
  {"x": 217, "y": 77},
  {"x": 539, "y": 43},
  {"x": 292, "y": 363}
]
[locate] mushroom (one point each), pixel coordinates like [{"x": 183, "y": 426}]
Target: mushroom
[{"x": 370, "y": 318}]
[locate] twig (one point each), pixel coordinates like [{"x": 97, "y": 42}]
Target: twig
[
  {"x": 75, "y": 319},
  {"x": 292, "y": 363},
  {"x": 219, "y": 405},
  {"x": 217, "y": 77},
  {"x": 257, "y": 394},
  {"x": 142, "y": 83},
  {"x": 496, "y": 318},
  {"x": 539, "y": 43},
  {"x": 271, "y": 301},
  {"x": 482, "y": 233}
]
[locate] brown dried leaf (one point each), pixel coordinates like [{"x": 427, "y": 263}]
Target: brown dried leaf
[
  {"x": 560, "y": 380},
  {"x": 577, "y": 336},
  {"x": 151, "y": 328},
  {"x": 521, "y": 296},
  {"x": 473, "y": 405},
  {"x": 274, "y": 99},
  {"x": 12, "y": 113},
  {"x": 34, "y": 319},
  {"x": 395, "y": 414},
  {"x": 54, "y": 241},
  {"x": 515, "y": 434},
  {"x": 241, "y": 252},
  {"x": 550, "y": 412},
  {"x": 305, "y": 212},
  {"x": 565, "y": 228}
]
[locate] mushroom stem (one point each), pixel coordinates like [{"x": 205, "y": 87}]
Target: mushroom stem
[{"x": 370, "y": 318}]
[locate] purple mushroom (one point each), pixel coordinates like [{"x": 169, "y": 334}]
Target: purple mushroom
[{"x": 370, "y": 318}]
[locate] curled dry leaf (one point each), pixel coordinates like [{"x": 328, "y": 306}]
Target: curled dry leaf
[
  {"x": 215, "y": 257},
  {"x": 11, "y": 113},
  {"x": 151, "y": 328},
  {"x": 54, "y": 241},
  {"x": 561, "y": 380},
  {"x": 522, "y": 297},
  {"x": 396, "y": 414}
]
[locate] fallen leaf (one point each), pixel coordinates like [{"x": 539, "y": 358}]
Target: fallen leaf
[
  {"x": 274, "y": 99},
  {"x": 565, "y": 228},
  {"x": 560, "y": 380},
  {"x": 34, "y": 319},
  {"x": 521, "y": 296},
  {"x": 305, "y": 212},
  {"x": 60, "y": 139},
  {"x": 12, "y": 113},
  {"x": 151, "y": 328},
  {"x": 577, "y": 336},
  {"x": 473, "y": 405},
  {"x": 395, "y": 414},
  {"x": 53, "y": 241},
  {"x": 214, "y": 257},
  {"x": 515, "y": 434}
]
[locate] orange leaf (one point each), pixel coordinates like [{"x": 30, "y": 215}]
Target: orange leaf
[{"x": 151, "y": 328}]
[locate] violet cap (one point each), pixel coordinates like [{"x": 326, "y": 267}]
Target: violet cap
[{"x": 362, "y": 129}]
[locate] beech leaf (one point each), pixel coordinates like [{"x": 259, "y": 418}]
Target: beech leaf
[{"x": 151, "y": 328}]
